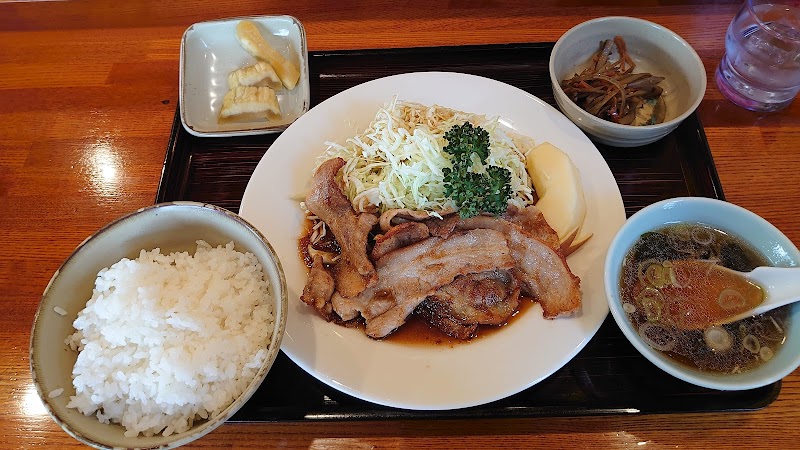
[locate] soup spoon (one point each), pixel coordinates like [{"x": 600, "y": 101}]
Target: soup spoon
[{"x": 703, "y": 294}]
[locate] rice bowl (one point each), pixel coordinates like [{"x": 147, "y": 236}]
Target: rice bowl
[{"x": 185, "y": 356}]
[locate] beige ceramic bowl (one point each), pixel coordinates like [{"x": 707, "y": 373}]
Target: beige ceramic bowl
[
  {"x": 656, "y": 50},
  {"x": 172, "y": 227}
]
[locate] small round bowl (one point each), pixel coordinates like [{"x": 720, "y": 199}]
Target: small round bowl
[
  {"x": 756, "y": 231},
  {"x": 656, "y": 50},
  {"x": 172, "y": 227}
]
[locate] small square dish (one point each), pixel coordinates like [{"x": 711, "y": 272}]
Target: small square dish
[{"x": 210, "y": 51}]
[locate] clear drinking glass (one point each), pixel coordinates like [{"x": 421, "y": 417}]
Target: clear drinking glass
[{"x": 761, "y": 67}]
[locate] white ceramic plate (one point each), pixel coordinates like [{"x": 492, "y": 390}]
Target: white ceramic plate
[
  {"x": 420, "y": 377},
  {"x": 210, "y": 51}
]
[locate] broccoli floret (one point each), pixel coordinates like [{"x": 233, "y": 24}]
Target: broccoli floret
[
  {"x": 498, "y": 189},
  {"x": 474, "y": 191},
  {"x": 466, "y": 139}
]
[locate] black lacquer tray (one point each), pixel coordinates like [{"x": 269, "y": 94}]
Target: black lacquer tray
[{"x": 607, "y": 377}]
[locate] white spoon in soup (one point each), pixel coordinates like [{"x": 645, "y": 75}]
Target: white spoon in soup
[{"x": 701, "y": 293}]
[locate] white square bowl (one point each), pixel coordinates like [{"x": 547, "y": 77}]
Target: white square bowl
[{"x": 210, "y": 51}]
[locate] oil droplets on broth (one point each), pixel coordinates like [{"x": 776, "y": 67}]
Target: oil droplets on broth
[{"x": 662, "y": 277}]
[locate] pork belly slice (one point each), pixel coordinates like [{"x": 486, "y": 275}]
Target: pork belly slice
[
  {"x": 350, "y": 279},
  {"x": 397, "y": 237},
  {"x": 529, "y": 218},
  {"x": 533, "y": 222},
  {"x": 319, "y": 288},
  {"x": 392, "y": 217},
  {"x": 543, "y": 271},
  {"x": 407, "y": 275},
  {"x": 437, "y": 316},
  {"x": 488, "y": 298},
  {"x": 444, "y": 226},
  {"x": 327, "y": 201}
]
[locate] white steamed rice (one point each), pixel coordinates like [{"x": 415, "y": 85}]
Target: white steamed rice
[
  {"x": 169, "y": 339},
  {"x": 55, "y": 393}
]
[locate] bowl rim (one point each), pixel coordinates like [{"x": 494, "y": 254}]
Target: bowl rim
[
  {"x": 672, "y": 123},
  {"x": 707, "y": 380},
  {"x": 212, "y": 422}
]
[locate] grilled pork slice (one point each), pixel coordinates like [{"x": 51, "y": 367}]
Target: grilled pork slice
[
  {"x": 319, "y": 288},
  {"x": 355, "y": 271},
  {"x": 444, "y": 226},
  {"x": 542, "y": 270},
  {"x": 489, "y": 298},
  {"x": 392, "y": 217},
  {"x": 397, "y": 237},
  {"x": 439, "y": 317},
  {"x": 407, "y": 275},
  {"x": 533, "y": 222}
]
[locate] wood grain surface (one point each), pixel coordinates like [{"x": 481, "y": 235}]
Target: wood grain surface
[{"x": 87, "y": 98}]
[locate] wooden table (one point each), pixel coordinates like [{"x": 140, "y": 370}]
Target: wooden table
[{"x": 87, "y": 99}]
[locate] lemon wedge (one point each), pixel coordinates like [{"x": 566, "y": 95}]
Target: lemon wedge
[{"x": 558, "y": 185}]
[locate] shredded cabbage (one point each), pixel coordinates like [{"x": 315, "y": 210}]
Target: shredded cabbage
[{"x": 397, "y": 162}]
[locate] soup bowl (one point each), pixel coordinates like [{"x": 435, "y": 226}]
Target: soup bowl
[{"x": 734, "y": 220}]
